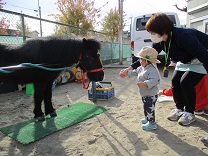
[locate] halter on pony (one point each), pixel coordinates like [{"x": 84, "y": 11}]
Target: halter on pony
[{"x": 88, "y": 71}]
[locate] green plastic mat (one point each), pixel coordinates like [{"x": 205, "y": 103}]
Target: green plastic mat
[{"x": 31, "y": 130}]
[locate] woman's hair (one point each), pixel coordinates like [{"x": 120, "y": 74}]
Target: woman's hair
[{"x": 159, "y": 23}]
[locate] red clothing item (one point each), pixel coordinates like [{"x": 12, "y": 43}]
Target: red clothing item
[
  {"x": 168, "y": 92},
  {"x": 201, "y": 93}
]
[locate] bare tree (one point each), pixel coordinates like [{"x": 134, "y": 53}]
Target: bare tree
[{"x": 184, "y": 9}]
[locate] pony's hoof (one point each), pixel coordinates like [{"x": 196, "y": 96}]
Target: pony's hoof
[
  {"x": 53, "y": 114},
  {"x": 40, "y": 118}
]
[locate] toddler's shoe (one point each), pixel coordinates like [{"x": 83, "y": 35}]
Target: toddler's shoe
[
  {"x": 144, "y": 121},
  {"x": 149, "y": 126}
]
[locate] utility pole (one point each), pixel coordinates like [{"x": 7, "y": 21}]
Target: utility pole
[
  {"x": 120, "y": 31},
  {"x": 131, "y": 23},
  {"x": 39, "y": 9}
]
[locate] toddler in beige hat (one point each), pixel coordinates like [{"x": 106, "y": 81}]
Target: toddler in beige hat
[{"x": 147, "y": 81}]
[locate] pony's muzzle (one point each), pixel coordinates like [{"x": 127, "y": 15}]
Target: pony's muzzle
[{"x": 96, "y": 76}]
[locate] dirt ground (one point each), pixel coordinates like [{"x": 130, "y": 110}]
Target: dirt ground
[{"x": 116, "y": 132}]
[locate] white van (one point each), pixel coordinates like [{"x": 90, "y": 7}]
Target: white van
[{"x": 140, "y": 37}]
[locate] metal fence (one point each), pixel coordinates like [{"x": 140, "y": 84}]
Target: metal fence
[{"x": 16, "y": 28}]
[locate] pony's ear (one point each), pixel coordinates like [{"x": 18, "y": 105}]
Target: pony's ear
[
  {"x": 84, "y": 44},
  {"x": 84, "y": 40}
]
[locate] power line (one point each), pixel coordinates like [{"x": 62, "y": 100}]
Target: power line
[
  {"x": 19, "y": 7},
  {"x": 153, "y": 7}
]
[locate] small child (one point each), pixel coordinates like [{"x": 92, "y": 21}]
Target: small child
[{"x": 148, "y": 79}]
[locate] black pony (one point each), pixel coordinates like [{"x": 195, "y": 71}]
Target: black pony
[{"x": 54, "y": 53}]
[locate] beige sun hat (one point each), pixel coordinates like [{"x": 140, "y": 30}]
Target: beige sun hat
[{"x": 148, "y": 53}]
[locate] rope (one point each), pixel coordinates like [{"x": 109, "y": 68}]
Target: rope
[
  {"x": 6, "y": 71},
  {"x": 34, "y": 66}
]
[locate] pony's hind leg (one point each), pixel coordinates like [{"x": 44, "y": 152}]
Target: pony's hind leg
[
  {"x": 48, "y": 100},
  {"x": 38, "y": 98}
]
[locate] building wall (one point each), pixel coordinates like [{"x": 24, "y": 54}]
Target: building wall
[{"x": 197, "y": 16}]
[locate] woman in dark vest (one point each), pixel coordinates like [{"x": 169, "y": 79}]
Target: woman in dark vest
[{"x": 188, "y": 47}]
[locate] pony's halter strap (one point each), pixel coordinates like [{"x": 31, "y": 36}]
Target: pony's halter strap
[
  {"x": 88, "y": 71},
  {"x": 95, "y": 70}
]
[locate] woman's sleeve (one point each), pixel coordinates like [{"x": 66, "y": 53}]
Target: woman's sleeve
[
  {"x": 157, "y": 47},
  {"x": 136, "y": 64}
]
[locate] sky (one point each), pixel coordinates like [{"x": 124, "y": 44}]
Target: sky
[{"x": 131, "y": 8}]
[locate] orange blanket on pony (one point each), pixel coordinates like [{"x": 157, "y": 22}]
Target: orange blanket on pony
[{"x": 201, "y": 93}]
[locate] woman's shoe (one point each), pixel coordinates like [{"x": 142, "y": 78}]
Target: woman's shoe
[
  {"x": 199, "y": 112},
  {"x": 204, "y": 140},
  {"x": 186, "y": 119},
  {"x": 175, "y": 114}
]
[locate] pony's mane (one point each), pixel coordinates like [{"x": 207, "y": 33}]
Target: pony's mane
[
  {"x": 63, "y": 51},
  {"x": 56, "y": 50}
]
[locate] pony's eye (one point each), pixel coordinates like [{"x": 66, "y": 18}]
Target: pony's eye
[{"x": 98, "y": 54}]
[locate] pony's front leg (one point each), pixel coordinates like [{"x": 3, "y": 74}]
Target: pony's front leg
[
  {"x": 38, "y": 98},
  {"x": 48, "y": 100}
]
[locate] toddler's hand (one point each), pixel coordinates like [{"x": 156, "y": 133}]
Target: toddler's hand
[{"x": 141, "y": 84}]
